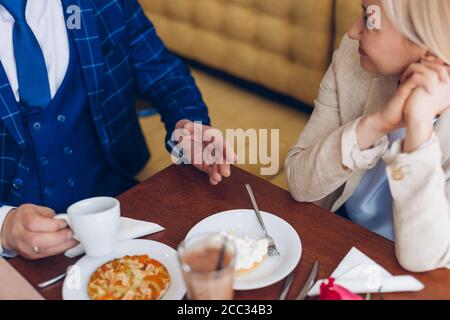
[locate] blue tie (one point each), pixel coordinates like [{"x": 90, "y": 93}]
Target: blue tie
[{"x": 34, "y": 89}]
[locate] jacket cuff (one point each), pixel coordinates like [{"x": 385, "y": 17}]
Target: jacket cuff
[
  {"x": 428, "y": 155},
  {"x": 356, "y": 159}
]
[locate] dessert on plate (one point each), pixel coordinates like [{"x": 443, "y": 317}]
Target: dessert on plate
[{"x": 250, "y": 252}]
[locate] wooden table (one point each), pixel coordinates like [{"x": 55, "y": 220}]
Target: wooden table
[{"x": 179, "y": 197}]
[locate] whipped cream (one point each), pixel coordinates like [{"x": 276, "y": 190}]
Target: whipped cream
[{"x": 249, "y": 251}]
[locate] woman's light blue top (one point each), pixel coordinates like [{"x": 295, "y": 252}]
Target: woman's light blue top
[{"x": 370, "y": 205}]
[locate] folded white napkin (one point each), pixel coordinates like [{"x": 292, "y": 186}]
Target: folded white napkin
[
  {"x": 360, "y": 274},
  {"x": 129, "y": 229}
]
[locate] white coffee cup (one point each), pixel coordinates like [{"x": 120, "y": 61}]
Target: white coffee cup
[{"x": 95, "y": 223}]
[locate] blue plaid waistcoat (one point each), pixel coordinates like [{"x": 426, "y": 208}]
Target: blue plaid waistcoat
[{"x": 121, "y": 58}]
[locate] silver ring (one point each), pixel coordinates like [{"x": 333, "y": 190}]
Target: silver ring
[{"x": 36, "y": 249}]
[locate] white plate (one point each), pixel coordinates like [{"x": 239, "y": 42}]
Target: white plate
[
  {"x": 244, "y": 222},
  {"x": 75, "y": 284}
]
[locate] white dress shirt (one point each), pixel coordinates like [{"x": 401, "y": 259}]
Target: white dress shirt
[{"x": 46, "y": 19}]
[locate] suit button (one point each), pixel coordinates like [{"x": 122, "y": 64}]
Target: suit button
[
  {"x": 48, "y": 192},
  {"x": 37, "y": 126},
  {"x": 71, "y": 182},
  {"x": 17, "y": 183},
  {"x": 44, "y": 161},
  {"x": 61, "y": 118},
  {"x": 398, "y": 174},
  {"x": 68, "y": 151}
]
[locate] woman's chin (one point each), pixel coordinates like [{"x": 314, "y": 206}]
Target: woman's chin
[{"x": 368, "y": 65}]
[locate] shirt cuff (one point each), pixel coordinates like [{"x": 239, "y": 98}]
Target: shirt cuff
[
  {"x": 356, "y": 159},
  {"x": 3, "y": 213}
]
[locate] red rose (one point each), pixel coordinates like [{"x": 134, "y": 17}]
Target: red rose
[{"x": 331, "y": 291}]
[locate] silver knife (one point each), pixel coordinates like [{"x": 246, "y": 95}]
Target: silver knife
[
  {"x": 52, "y": 281},
  {"x": 309, "y": 282},
  {"x": 286, "y": 286}
]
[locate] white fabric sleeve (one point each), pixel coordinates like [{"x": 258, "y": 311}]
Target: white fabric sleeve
[
  {"x": 420, "y": 191},
  {"x": 356, "y": 159}
]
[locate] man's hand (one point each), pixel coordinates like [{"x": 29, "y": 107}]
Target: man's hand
[
  {"x": 32, "y": 232},
  {"x": 206, "y": 149}
]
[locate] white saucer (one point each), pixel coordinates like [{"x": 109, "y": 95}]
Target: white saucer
[{"x": 244, "y": 222}]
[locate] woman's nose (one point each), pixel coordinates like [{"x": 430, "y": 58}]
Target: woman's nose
[{"x": 356, "y": 29}]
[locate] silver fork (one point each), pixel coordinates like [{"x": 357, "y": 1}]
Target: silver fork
[{"x": 272, "y": 247}]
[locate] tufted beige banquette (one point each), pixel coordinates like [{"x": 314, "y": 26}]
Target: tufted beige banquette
[{"x": 284, "y": 45}]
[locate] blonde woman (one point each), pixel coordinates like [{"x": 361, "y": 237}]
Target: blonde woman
[{"x": 377, "y": 147}]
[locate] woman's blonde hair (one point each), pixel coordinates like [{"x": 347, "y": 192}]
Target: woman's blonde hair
[{"x": 424, "y": 22}]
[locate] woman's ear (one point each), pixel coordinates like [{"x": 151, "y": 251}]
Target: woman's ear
[{"x": 426, "y": 55}]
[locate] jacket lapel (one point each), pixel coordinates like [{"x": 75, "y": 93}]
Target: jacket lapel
[
  {"x": 87, "y": 42},
  {"x": 9, "y": 110},
  {"x": 381, "y": 90}
]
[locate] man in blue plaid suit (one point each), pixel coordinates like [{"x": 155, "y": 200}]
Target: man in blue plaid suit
[{"x": 69, "y": 127}]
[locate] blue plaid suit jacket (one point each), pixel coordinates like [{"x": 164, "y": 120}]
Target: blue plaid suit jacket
[{"x": 122, "y": 58}]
